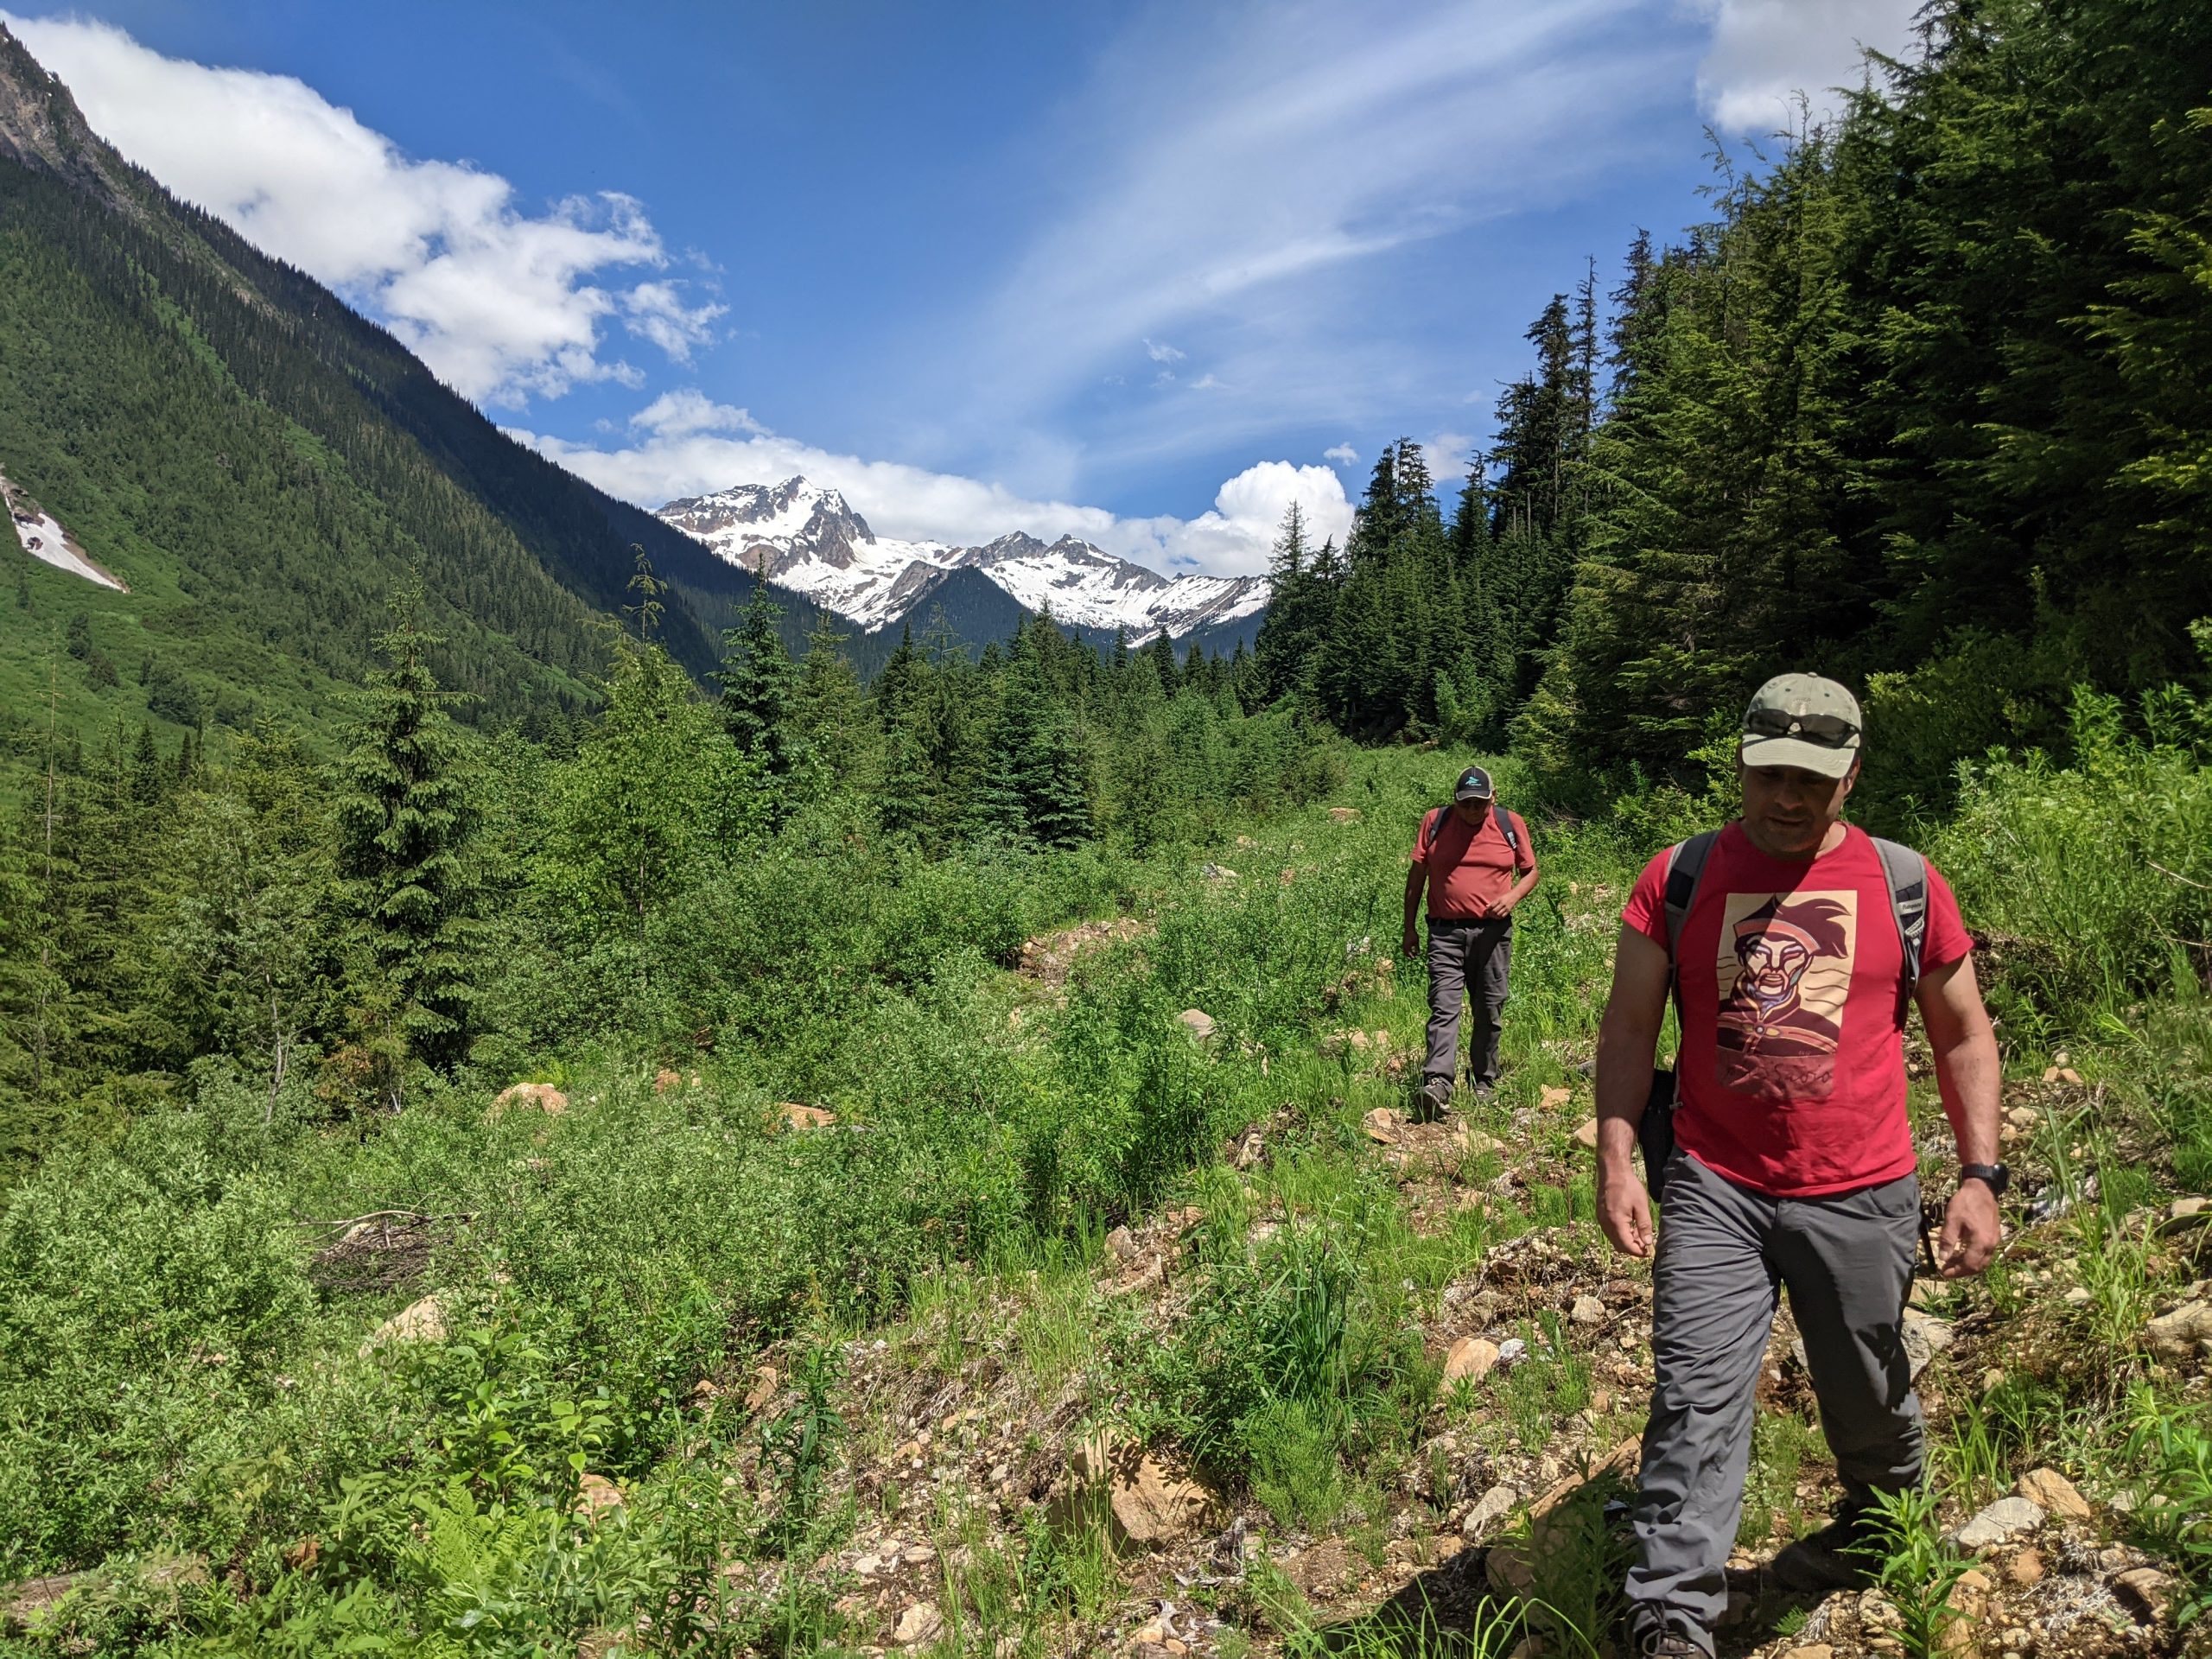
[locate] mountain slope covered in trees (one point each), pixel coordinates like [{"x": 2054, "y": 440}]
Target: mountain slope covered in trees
[{"x": 262, "y": 467}]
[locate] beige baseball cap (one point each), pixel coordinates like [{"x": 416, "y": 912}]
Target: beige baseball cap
[{"x": 1804, "y": 721}]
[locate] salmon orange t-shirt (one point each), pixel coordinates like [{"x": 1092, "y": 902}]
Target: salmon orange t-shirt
[
  {"x": 1468, "y": 869},
  {"x": 1790, "y": 1079}
]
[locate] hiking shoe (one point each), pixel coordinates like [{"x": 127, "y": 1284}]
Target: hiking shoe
[
  {"x": 1429, "y": 1104},
  {"x": 1834, "y": 1558},
  {"x": 1655, "y": 1640}
]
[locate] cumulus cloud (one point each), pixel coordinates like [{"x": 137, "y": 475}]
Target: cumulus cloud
[
  {"x": 1765, "y": 53},
  {"x": 501, "y": 302},
  {"x": 684, "y": 443},
  {"x": 1342, "y": 454}
]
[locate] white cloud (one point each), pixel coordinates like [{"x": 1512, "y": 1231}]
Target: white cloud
[
  {"x": 1160, "y": 352},
  {"x": 499, "y": 302},
  {"x": 1206, "y": 382},
  {"x": 1765, "y": 52},
  {"x": 1342, "y": 454},
  {"x": 684, "y": 443},
  {"x": 1447, "y": 454}
]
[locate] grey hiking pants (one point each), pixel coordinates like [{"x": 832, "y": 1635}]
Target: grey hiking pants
[
  {"x": 1724, "y": 1251},
  {"x": 1462, "y": 955}
]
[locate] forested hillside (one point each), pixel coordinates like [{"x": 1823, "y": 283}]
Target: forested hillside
[
  {"x": 263, "y": 467},
  {"x": 1925, "y": 402}
]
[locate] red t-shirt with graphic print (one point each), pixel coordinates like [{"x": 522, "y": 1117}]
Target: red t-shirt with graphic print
[
  {"x": 1469, "y": 868},
  {"x": 1790, "y": 1079}
]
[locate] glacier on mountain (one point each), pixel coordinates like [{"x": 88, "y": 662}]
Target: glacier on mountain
[{"x": 808, "y": 539}]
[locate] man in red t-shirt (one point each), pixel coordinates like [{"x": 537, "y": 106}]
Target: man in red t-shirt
[
  {"x": 1793, "y": 1162},
  {"x": 1474, "y": 858}
]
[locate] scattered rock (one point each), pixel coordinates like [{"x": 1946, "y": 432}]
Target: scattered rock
[
  {"x": 302, "y": 1556},
  {"x": 1811, "y": 1651},
  {"x": 2025, "y": 1568},
  {"x": 1153, "y": 1503},
  {"x": 1512, "y": 1349},
  {"x": 1472, "y": 1357},
  {"x": 919, "y": 1624},
  {"x": 1588, "y": 1309},
  {"x": 1552, "y": 1098},
  {"x": 764, "y": 1388},
  {"x": 793, "y": 1115},
  {"x": 1384, "y": 1125},
  {"x": 2078, "y": 1296},
  {"x": 2175, "y": 1336},
  {"x": 2144, "y": 1591},
  {"x": 1493, "y": 1505},
  {"x": 1248, "y": 1149},
  {"x": 665, "y": 1080},
  {"x": 1344, "y": 815},
  {"x": 1924, "y": 1338},
  {"x": 1121, "y": 1245},
  {"x": 2049, "y": 1491},
  {"x": 595, "y": 1494},
  {"x": 542, "y": 1095},
  {"x": 1509, "y": 1569},
  {"x": 2005, "y": 1519},
  {"x": 423, "y": 1321},
  {"x": 1197, "y": 1021},
  {"x": 1587, "y": 1136}
]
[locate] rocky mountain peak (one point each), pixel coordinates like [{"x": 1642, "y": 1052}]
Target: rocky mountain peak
[{"x": 41, "y": 128}]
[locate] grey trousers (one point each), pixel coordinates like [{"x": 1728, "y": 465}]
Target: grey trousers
[
  {"x": 1461, "y": 955},
  {"x": 1724, "y": 1251}
]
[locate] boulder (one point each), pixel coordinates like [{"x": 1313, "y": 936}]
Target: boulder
[
  {"x": 1154, "y": 1504},
  {"x": 920, "y": 1624},
  {"x": 1344, "y": 815},
  {"x": 1122, "y": 1244},
  {"x": 521, "y": 1096},
  {"x": 2007, "y": 1519},
  {"x": 1472, "y": 1357},
  {"x": 2175, "y": 1336},
  {"x": 595, "y": 1494},
  {"x": 2144, "y": 1591},
  {"x": 1197, "y": 1021},
  {"x": 790, "y": 1115},
  {"x": 423, "y": 1321},
  {"x": 2049, "y": 1491},
  {"x": 1587, "y": 1136},
  {"x": 1492, "y": 1506}
]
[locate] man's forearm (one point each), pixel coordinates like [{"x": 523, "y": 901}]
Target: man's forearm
[
  {"x": 1971, "y": 1078},
  {"x": 1626, "y": 1049},
  {"x": 1416, "y": 881}
]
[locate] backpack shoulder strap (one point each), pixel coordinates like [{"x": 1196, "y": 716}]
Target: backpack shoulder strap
[
  {"x": 1906, "y": 874},
  {"x": 1685, "y": 871},
  {"x": 1432, "y": 827},
  {"x": 1504, "y": 821}
]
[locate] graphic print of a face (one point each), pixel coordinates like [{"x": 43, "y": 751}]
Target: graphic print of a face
[{"x": 1784, "y": 975}]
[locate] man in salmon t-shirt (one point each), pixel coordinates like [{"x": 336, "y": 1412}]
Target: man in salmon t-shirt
[
  {"x": 1474, "y": 858},
  {"x": 1787, "y": 939}
]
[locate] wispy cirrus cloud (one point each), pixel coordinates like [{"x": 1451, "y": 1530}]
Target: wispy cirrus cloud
[{"x": 504, "y": 304}]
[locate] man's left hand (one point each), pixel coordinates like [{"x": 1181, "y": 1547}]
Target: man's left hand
[
  {"x": 1498, "y": 909},
  {"x": 1972, "y": 1232}
]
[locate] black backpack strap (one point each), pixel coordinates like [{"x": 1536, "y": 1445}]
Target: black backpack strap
[
  {"x": 1906, "y": 873},
  {"x": 1504, "y": 820},
  {"x": 1435, "y": 827},
  {"x": 1685, "y": 873}
]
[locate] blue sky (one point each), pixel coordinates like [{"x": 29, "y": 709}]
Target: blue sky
[{"x": 1144, "y": 272}]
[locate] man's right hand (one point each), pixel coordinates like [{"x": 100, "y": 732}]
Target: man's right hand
[
  {"x": 1625, "y": 1211},
  {"x": 1410, "y": 945}
]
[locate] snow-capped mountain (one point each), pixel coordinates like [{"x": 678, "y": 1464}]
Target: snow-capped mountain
[{"x": 811, "y": 541}]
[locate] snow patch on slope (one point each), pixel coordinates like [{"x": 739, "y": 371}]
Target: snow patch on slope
[{"x": 43, "y": 539}]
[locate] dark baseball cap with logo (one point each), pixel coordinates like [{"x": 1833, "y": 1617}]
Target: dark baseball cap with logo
[
  {"x": 1803, "y": 721},
  {"x": 1474, "y": 784}
]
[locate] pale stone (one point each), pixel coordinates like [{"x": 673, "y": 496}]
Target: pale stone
[
  {"x": 1811, "y": 1651},
  {"x": 1383, "y": 1125},
  {"x": 1197, "y": 1021},
  {"x": 1153, "y": 1503},
  {"x": 1470, "y": 1357},
  {"x": 1121, "y": 1245},
  {"x": 1587, "y": 1136},
  {"x": 2048, "y": 1489},
  {"x": 1551, "y": 1098},
  {"x": 2025, "y": 1568},
  {"x": 1924, "y": 1338},
  {"x": 1344, "y": 815},
  {"x": 596, "y": 1493},
  {"x": 542, "y": 1095},
  {"x": 793, "y": 1115},
  {"x": 2175, "y": 1337},
  {"x": 2005, "y": 1519},
  {"x": 423, "y": 1321},
  {"x": 919, "y": 1624},
  {"x": 1509, "y": 1569},
  {"x": 2144, "y": 1591},
  {"x": 1493, "y": 1505},
  {"x": 1588, "y": 1309},
  {"x": 665, "y": 1080},
  {"x": 764, "y": 1388}
]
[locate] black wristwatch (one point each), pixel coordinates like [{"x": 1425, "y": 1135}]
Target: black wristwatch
[{"x": 1995, "y": 1177}]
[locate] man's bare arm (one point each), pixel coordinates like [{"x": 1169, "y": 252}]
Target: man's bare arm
[
  {"x": 1970, "y": 1077},
  {"x": 1628, "y": 1040},
  {"x": 1416, "y": 881}
]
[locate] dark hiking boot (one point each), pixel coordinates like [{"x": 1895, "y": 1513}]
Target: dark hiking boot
[
  {"x": 1844, "y": 1555},
  {"x": 1430, "y": 1103},
  {"x": 1655, "y": 1639}
]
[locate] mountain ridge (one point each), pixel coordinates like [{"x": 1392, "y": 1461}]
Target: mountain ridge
[{"x": 808, "y": 539}]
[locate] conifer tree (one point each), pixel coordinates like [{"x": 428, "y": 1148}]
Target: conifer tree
[{"x": 760, "y": 688}]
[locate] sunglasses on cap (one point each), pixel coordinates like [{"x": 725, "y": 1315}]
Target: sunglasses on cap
[{"x": 1828, "y": 731}]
